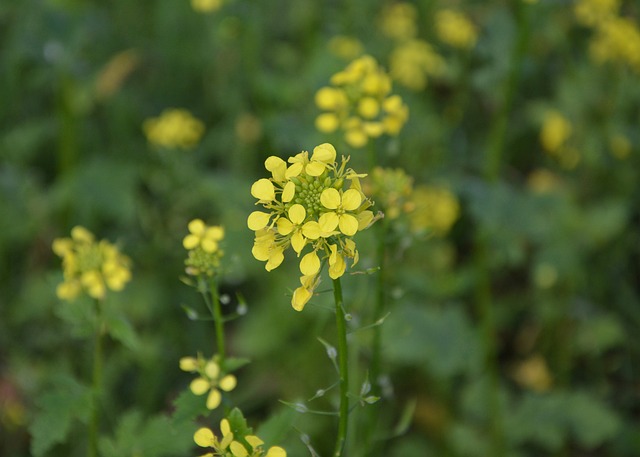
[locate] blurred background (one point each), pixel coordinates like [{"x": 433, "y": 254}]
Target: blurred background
[{"x": 514, "y": 250}]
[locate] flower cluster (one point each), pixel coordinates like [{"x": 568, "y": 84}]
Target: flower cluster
[
  {"x": 233, "y": 446},
  {"x": 392, "y": 189},
  {"x": 593, "y": 12},
  {"x": 455, "y": 29},
  {"x": 359, "y": 102},
  {"x": 398, "y": 21},
  {"x": 206, "y": 6},
  {"x": 345, "y": 47},
  {"x": 411, "y": 62},
  {"x": 210, "y": 379},
  {"x": 174, "y": 128},
  {"x": 202, "y": 242},
  {"x": 90, "y": 266},
  {"x": 434, "y": 210},
  {"x": 306, "y": 205},
  {"x": 554, "y": 135}
]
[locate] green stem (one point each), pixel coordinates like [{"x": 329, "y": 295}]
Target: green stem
[
  {"x": 343, "y": 365},
  {"x": 94, "y": 425},
  {"x": 217, "y": 319},
  {"x": 380, "y": 307}
]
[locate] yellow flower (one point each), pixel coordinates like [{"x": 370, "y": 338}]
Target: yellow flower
[
  {"x": 398, "y": 21},
  {"x": 617, "y": 40},
  {"x": 89, "y": 266},
  {"x": 434, "y": 210},
  {"x": 411, "y": 62},
  {"x": 593, "y": 12},
  {"x": 305, "y": 204},
  {"x": 174, "y": 128},
  {"x": 360, "y": 103},
  {"x": 203, "y": 244},
  {"x": 345, "y": 47},
  {"x": 231, "y": 446},
  {"x": 392, "y": 189},
  {"x": 556, "y": 130},
  {"x": 209, "y": 379},
  {"x": 455, "y": 29}
]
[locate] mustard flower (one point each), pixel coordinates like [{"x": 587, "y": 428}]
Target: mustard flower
[
  {"x": 306, "y": 207},
  {"x": 360, "y": 103},
  {"x": 455, "y": 29},
  {"x": 345, "y": 47},
  {"x": 206, "y": 6},
  {"x": 411, "y": 62},
  {"x": 174, "y": 128},
  {"x": 392, "y": 189},
  {"x": 434, "y": 210},
  {"x": 398, "y": 21},
  {"x": 90, "y": 266},
  {"x": 617, "y": 40},
  {"x": 554, "y": 136},
  {"x": 202, "y": 242},
  {"x": 590, "y": 13},
  {"x": 232, "y": 446},
  {"x": 210, "y": 379}
]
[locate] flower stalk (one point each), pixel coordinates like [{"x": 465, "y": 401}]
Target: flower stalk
[
  {"x": 343, "y": 365},
  {"x": 94, "y": 425}
]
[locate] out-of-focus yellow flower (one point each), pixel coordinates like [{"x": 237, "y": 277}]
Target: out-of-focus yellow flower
[
  {"x": 232, "y": 446},
  {"x": 533, "y": 374},
  {"x": 398, "y": 21},
  {"x": 593, "y": 12},
  {"x": 392, "y": 190},
  {"x": 174, "y": 128},
  {"x": 210, "y": 379},
  {"x": 115, "y": 72},
  {"x": 620, "y": 146},
  {"x": 206, "y": 6},
  {"x": 617, "y": 40},
  {"x": 90, "y": 266},
  {"x": 556, "y": 130},
  {"x": 455, "y": 29},
  {"x": 359, "y": 102},
  {"x": 248, "y": 128},
  {"x": 543, "y": 181},
  {"x": 434, "y": 210},
  {"x": 305, "y": 204},
  {"x": 345, "y": 47},
  {"x": 411, "y": 62},
  {"x": 203, "y": 244}
]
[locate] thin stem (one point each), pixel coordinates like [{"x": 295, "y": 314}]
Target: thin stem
[
  {"x": 217, "y": 319},
  {"x": 343, "y": 364},
  {"x": 380, "y": 308},
  {"x": 94, "y": 425}
]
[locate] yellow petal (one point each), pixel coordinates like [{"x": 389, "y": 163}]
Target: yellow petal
[
  {"x": 197, "y": 227},
  {"x": 298, "y": 242},
  {"x": 364, "y": 219},
  {"x": 338, "y": 268},
  {"x": 238, "y": 450},
  {"x": 356, "y": 138},
  {"x": 311, "y": 230},
  {"x": 214, "y": 399},
  {"x": 275, "y": 259},
  {"x": 263, "y": 189},
  {"x": 327, "y": 122},
  {"x": 212, "y": 369},
  {"x": 188, "y": 364},
  {"x": 254, "y": 441},
  {"x": 310, "y": 264},
  {"x": 330, "y": 198},
  {"x": 228, "y": 383},
  {"x": 215, "y": 232},
  {"x": 368, "y": 107},
  {"x": 315, "y": 168},
  {"x": 203, "y": 437},
  {"x": 277, "y": 167},
  {"x": 288, "y": 192},
  {"x": 348, "y": 224},
  {"x": 294, "y": 170},
  {"x": 328, "y": 222},
  {"x": 261, "y": 252},
  {"x": 284, "y": 226},
  {"x": 209, "y": 246},
  {"x": 324, "y": 153},
  {"x": 62, "y": 246},
  {"x": 276, "y": 451},
  {"x": 258, "y": 220},
  {"x": 191, "y": 241},
  {"x": 225, "y": 427},
  {"x": 297, "y": 213},
  {"x": 351, "y": 200},
  {"x": 300, "y": 298},
  {"x": 199, "y": 386},
  {"x": 81, "y": 234}
]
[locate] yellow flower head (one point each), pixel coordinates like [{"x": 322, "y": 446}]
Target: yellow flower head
[
  {"x": 305, "y": 205},
  {"x": 345, "y": 47},
  {"x": 398, "y": 21},
  {"x": 392, "y": 190},
  {"x": 360, "y": 103},
  {"x": 591, "y": 13},
  {"x": 202, "y": 242},
  {"x": 617, "y": 40},
  {"x": 234, "y": 446},
  {"x": 206, "y": 6},
  {"x": 413, "y": 61},
  {"x": 455, "y": 29},
  {"x": 210, "y": 379},
  {"x": 89, "y": 266},
  {"x": 434, "y": 210},
  {"x": 174, "y": 128}
]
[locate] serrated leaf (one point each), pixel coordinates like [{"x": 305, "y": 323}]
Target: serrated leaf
[
  {"x": 188, "y": 407},
  {"x": 234, "y": 363},
  {"x": 67, "y": 400},
  {"x": 121, "y": 329},
  {"x": 238, "y": 423}
]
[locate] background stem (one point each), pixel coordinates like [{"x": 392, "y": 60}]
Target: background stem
[
  {"x": 217, "y": 319},
  {"x": 94, "y": 425},
  {"x": 343, "y": 364}
]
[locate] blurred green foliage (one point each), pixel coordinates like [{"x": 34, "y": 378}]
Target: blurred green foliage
[{"x": 550, "y": 245}]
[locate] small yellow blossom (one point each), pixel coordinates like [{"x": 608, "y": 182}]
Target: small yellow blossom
[
  {"x": 392, "y": 190},
  {"x": 591, "y": 13},
  {"x": 360, "y": 103},
  {"x": 203, "y": 244},
  {"x": 411, "y": 62},
  {"x": 90, "y": 266},
  {"x": 620, "y": 146},
  {"x": 617, "y": 40},
  {"x": 234, "y": 446},
  {"x": 398, "y": 21},
  {"x": 533, "y": 374},
  {"x": 206, "y": 6},
  {"x": 174, "y": 128},
  {"x": 210, "y": 379},
  {"x": 304, "y": 204},
  {"x": 248, "y": 128},
  {"x": 556, "y": 130},
  {"x": 434, "y": 210},
  {"x": 345, "y": 47},
  {"x": 455, "y": 29}
]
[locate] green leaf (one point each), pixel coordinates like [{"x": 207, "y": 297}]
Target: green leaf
[
  {"x": 238, "y": 423},
  {"x": 65, "y": 401},
  {"x": 234, "y": 363},
  {"x": 188, "y": 407},
  {"x": 591, "y": 422},
  {"x": 274, "y": 430},
  {"x": 121, "y": 329},
  {"x": 156, "y": 436}
]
